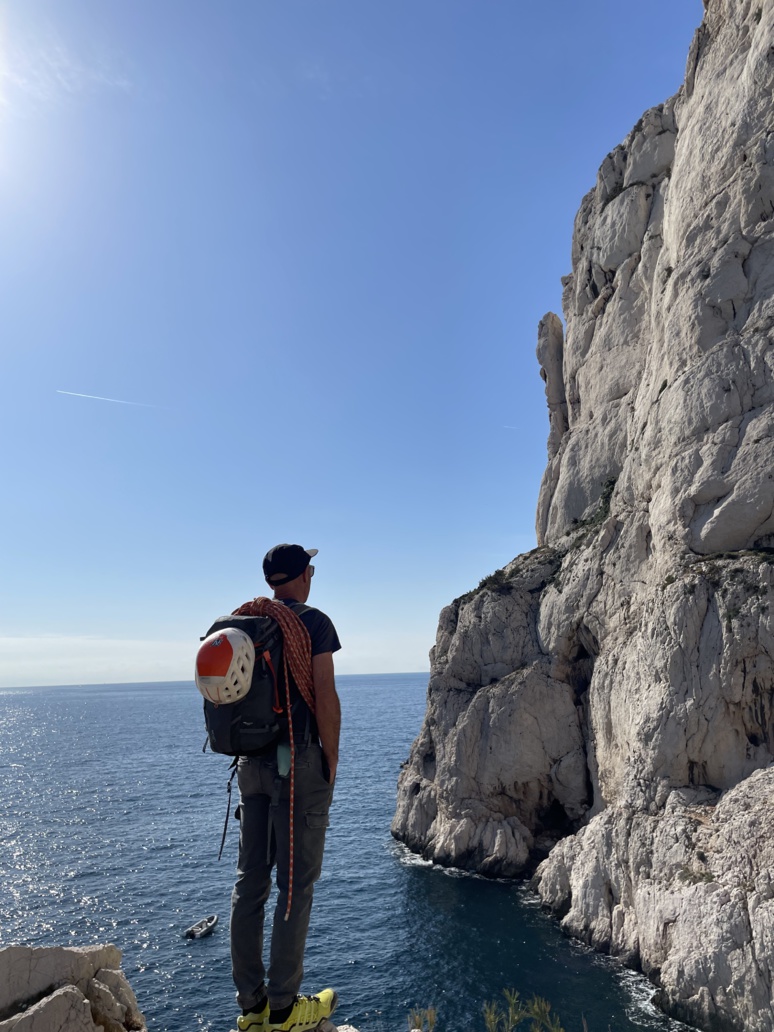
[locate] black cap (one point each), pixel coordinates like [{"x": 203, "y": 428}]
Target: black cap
[{"x": 284, "y": 563}]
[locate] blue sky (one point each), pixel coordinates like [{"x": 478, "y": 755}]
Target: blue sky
[{"x": 310, "y": 241}]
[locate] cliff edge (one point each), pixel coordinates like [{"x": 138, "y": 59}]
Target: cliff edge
[
  {"x": 604, "y": 704},
  {"x": 66, "y": 989}
]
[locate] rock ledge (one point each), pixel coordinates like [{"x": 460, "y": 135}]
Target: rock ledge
[{"x": 66, "y": 989}]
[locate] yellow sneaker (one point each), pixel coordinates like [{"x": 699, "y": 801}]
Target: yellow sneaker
[
  {"x": 255, "y": 1021},
  {"x": 307, "y": 1013}
]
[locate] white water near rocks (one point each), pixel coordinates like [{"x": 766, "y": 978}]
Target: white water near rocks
[{"x": 111, "y": 817}]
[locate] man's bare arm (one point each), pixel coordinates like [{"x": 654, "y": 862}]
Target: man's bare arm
[{"x": 327, "y": 709}]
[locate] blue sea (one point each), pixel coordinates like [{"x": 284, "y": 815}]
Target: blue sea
[{"x": 111, "y": 818}]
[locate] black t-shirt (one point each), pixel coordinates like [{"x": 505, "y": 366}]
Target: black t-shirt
[
  {"x": 320, "y": 627},
  {"x": 324, "y": 639}
]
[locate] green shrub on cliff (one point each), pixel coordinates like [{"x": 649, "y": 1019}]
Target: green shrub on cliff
[
  {"x": 498, "y": 1018},
  {"x": 536, "y": 1010}
]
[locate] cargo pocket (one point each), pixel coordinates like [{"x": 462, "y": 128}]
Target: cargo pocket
[{"x": 317, "y": 819}]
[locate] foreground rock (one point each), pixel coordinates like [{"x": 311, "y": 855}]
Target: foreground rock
[
  {"x": 58, "y": 989},
  {"x": 608, "y": 700}
]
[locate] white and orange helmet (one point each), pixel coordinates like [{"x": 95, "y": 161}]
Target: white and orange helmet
[{"x": 224, "y": 665}]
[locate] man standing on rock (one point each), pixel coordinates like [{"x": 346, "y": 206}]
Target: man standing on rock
[{"x": 285, "y": 795}]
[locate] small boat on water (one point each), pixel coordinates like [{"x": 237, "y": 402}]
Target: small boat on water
[{"x": 202, "y": 928}]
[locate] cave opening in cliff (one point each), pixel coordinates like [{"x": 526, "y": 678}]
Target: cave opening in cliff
[
  {"x": 555, "y": 821},
  {"x": 580, "y": 673},
  {"x": 581, "y": 670}
]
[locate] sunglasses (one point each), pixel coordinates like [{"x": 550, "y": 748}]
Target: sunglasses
[{"x": 311, "y": 570}]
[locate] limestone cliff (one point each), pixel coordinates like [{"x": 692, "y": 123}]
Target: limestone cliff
[
  {"x": 607, "y": 700},
  {"x": 66, "y": 989}
]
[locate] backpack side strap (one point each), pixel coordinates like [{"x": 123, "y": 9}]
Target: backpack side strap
[{"x": 233, "y": 769}]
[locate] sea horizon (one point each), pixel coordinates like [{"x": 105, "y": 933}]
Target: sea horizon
[{"x": 186, "y": 680}]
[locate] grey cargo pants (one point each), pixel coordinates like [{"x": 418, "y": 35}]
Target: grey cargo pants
[{"x": 264, "y": 842}]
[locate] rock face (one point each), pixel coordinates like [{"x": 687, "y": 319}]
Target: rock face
[
  {"x": 607, "y": 701},
  {"x": 57, "y": 989}
]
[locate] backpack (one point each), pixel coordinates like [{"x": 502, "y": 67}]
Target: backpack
[{"x": 249, "y": 726}]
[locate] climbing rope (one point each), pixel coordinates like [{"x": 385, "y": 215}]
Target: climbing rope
[{"x": 296, "y": 662}]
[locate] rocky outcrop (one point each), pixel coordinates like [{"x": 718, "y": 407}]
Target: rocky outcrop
[
  {"x": 499, "y": 769},
  {"x": 689, "y": 898},
  {"x": 608, "y": 699},
  {"x": 43, "y": 989}
]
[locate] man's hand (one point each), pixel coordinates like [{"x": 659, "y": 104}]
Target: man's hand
[{"x": 327, "y": 710}]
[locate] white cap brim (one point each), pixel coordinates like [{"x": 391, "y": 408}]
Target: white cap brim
[{"x": 311, "y": 551}]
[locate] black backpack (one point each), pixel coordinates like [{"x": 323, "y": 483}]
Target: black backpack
[{"x": 254, "y": 723}]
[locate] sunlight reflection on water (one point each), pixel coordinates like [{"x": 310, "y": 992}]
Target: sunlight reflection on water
[{"x": 111, "y": 819}]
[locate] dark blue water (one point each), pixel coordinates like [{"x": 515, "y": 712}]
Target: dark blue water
[{"x": 110, "y": 821}]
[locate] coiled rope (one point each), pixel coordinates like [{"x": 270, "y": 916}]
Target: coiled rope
[{"x": 296, "y": 662}]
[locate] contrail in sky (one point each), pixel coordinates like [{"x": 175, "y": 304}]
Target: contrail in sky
[{"x": 96, "y": 397}]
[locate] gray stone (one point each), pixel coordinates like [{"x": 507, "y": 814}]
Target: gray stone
[
  {"x": 70, "y": 989},
  {"x": 66, "y": 1010},
  {"x": 26, "y": 971},
  {"x": 122, "y": 992}
]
